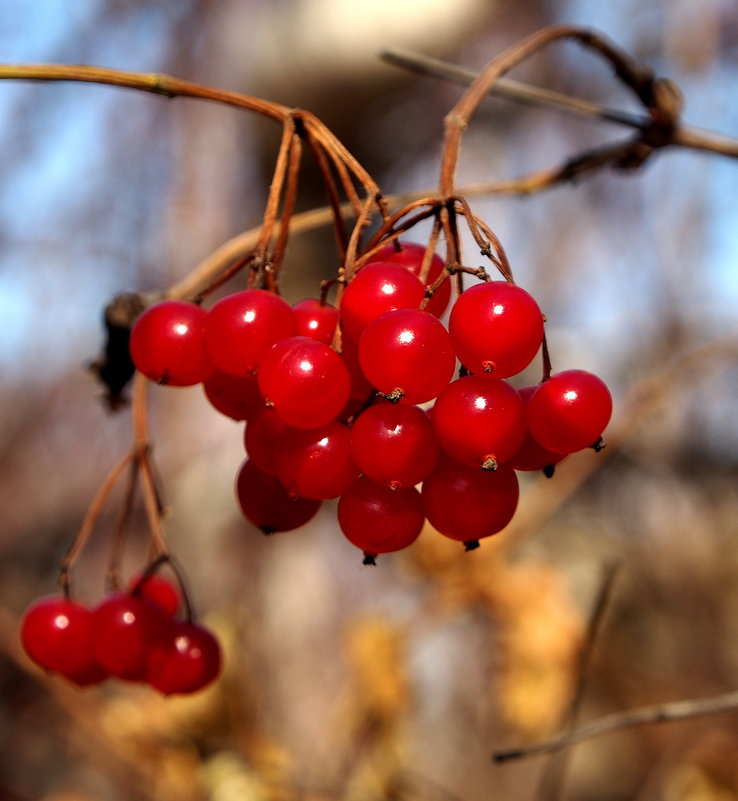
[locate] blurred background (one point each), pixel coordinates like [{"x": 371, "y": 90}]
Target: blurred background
[{"x": 397, "y": 682}]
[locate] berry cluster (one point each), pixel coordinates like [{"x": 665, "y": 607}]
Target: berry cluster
[
  {"x": 132, "y": 635},
  {"x": 370, "y": 424}
]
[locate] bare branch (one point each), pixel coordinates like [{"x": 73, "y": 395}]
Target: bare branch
[{"x": 660, "y": 713}]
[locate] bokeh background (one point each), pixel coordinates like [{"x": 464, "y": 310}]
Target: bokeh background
[{"x": 397, "y": 682}]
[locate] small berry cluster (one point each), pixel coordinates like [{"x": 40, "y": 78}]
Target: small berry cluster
[
  {"x": 132, "y": 635},
  {"x": 355, "y": 425}
]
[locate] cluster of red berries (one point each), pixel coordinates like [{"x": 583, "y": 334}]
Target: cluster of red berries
[
  {"x": 359, "y": 425},
  {"x": 132, "y": 635}
]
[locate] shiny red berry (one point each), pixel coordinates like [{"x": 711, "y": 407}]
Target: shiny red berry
[
  {"x": 377, "y": 519},
  {"x": 479, "y": 421},
  {"x": 185, "y": 661},
  {"x": 241, "y": 327},
  {"x": 468, "y": 504},
  {"x": 531, "y": 455},
  {"x": 235, "y": 396},
  {"x": 316, "y": 320},
  {"x": 378, "y": 287},
  {"x": 569, "y": 411},
  {"x": 407, "y": 352},
  {"x": 305, "y": 381},
  {"x": 496, "y": 327},
  {"x": 411, "y": 254},
  {"x": 57, "y": 635},
  {"x": 394, "y": 444},
  {"x": 156, "y": 589},
  {"x": 167, "y": 344}
]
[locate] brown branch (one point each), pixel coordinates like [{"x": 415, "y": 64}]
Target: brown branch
[
  {"x": 683, "y": 135},
  {"x": 659, "y": 713}
]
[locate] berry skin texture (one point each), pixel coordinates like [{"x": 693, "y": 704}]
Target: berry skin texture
[
  {"x": 188, "y": 659},
  {"x": 411, "y": 254},
  {"x": 479, "y": 421},
  {"x": 569, "y": 411},
  {"x": 57, "y": 635},
  {"x": 241, "y": 327},
  {"x": 377, "y": 288},
  {"x": 394, "y": 444},
  {"x": 234, "y": 396},
  {"x": 377, "y": 519},
  {"x": 407, "y": 351},
  {"x": 468, "y": 504},
  {"x": 316, "y": 463},
  {"x": 305, "y": 381},
  {"x": 262, "y": 437},
  {"x": 125, "y": 629},
  {"x": 531, "y": 455},
  {"x": 167, "y": 344},
  {"x": 157, "y": 590},
  {"x": 316, "y": 320},
  {"x": 266, "y": 503},
  {"x": 496, "y": 327}
]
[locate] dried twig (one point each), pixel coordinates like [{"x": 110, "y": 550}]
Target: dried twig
[{"x": 660, "y": 713}]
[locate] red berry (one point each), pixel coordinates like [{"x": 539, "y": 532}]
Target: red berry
[
  {"x": 261, "y": 439},
  {"x": 241, "y": 327},
  {"x": 316, "y": 462},
  {"x": 167, "y": 343},
  {"x": 233, "y": 395},
  {"x": 316, "y": 320},
  {"x": 156, "y": 589},
  {"x": 394, "y": 444},
  {"x": 467, "y": 504},
  {"x": 266, "y": 503},
  {"x": 305, "y": 381},
  {"x": 56, "y": 633},
  {"x": 377, "y": 519},
  {"x": 531, "y": 455},
  {"x": 378, "y": 287},
  {"x": 407, "y": 351},
  {"x": 125, "y": 629},
  {"x": 411, "y": 254},
  {"x": 569, "y": 411},
  {"x": 187, "y": 660},
  {"x": 496, "y": 327},
  {"x": 479, "y": 421},
  {"x": 360, "y": 389}
]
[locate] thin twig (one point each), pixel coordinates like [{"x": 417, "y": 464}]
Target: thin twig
[
  {"x": 684, "y": 135},
  {"x": 553, "y": 775},
  {"x": 659, "y": 713}
]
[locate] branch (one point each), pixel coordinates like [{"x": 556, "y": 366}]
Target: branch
[
  {"x": 683, "y": 136},
  {"x": 660, "y": 713}
]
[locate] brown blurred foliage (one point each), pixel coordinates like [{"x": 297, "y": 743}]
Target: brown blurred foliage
[{"x": 397, "y": 682}]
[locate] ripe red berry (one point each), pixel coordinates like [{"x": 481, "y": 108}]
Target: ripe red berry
[
  {"x": 394, "y": 444},
  {"x": 467, "y": 504},
  {"x": 496, "y": 327},
  {"x": 233, "y": 395},
  {"x": 188, "y": 659},
  {"x": 241, "y": 327},
  {"x": 57, "y": 635},
  {"x": 305, "y": 381},
  {"x": 156, "y": 589},
  {"x": 378, "y": 287},
  {"x": 316, "y": 463},
  {"x": 531, "y": 455},
  {"x": 410, "y": 254},
  {"x": 377, "y": 519},
  {"x": 479, "y": 421},
  {"x": 266, "y": 503},
  {"x": 261, "y": 439},
  {"x": 125, "y": 629},
  {"x": 167, "y": 343},
  {"x": 316, "y": 320},
  {"x": 360, "y": 389},
  {"x": 569, "y": 411},
  {"x": 407, "y": 351}
]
